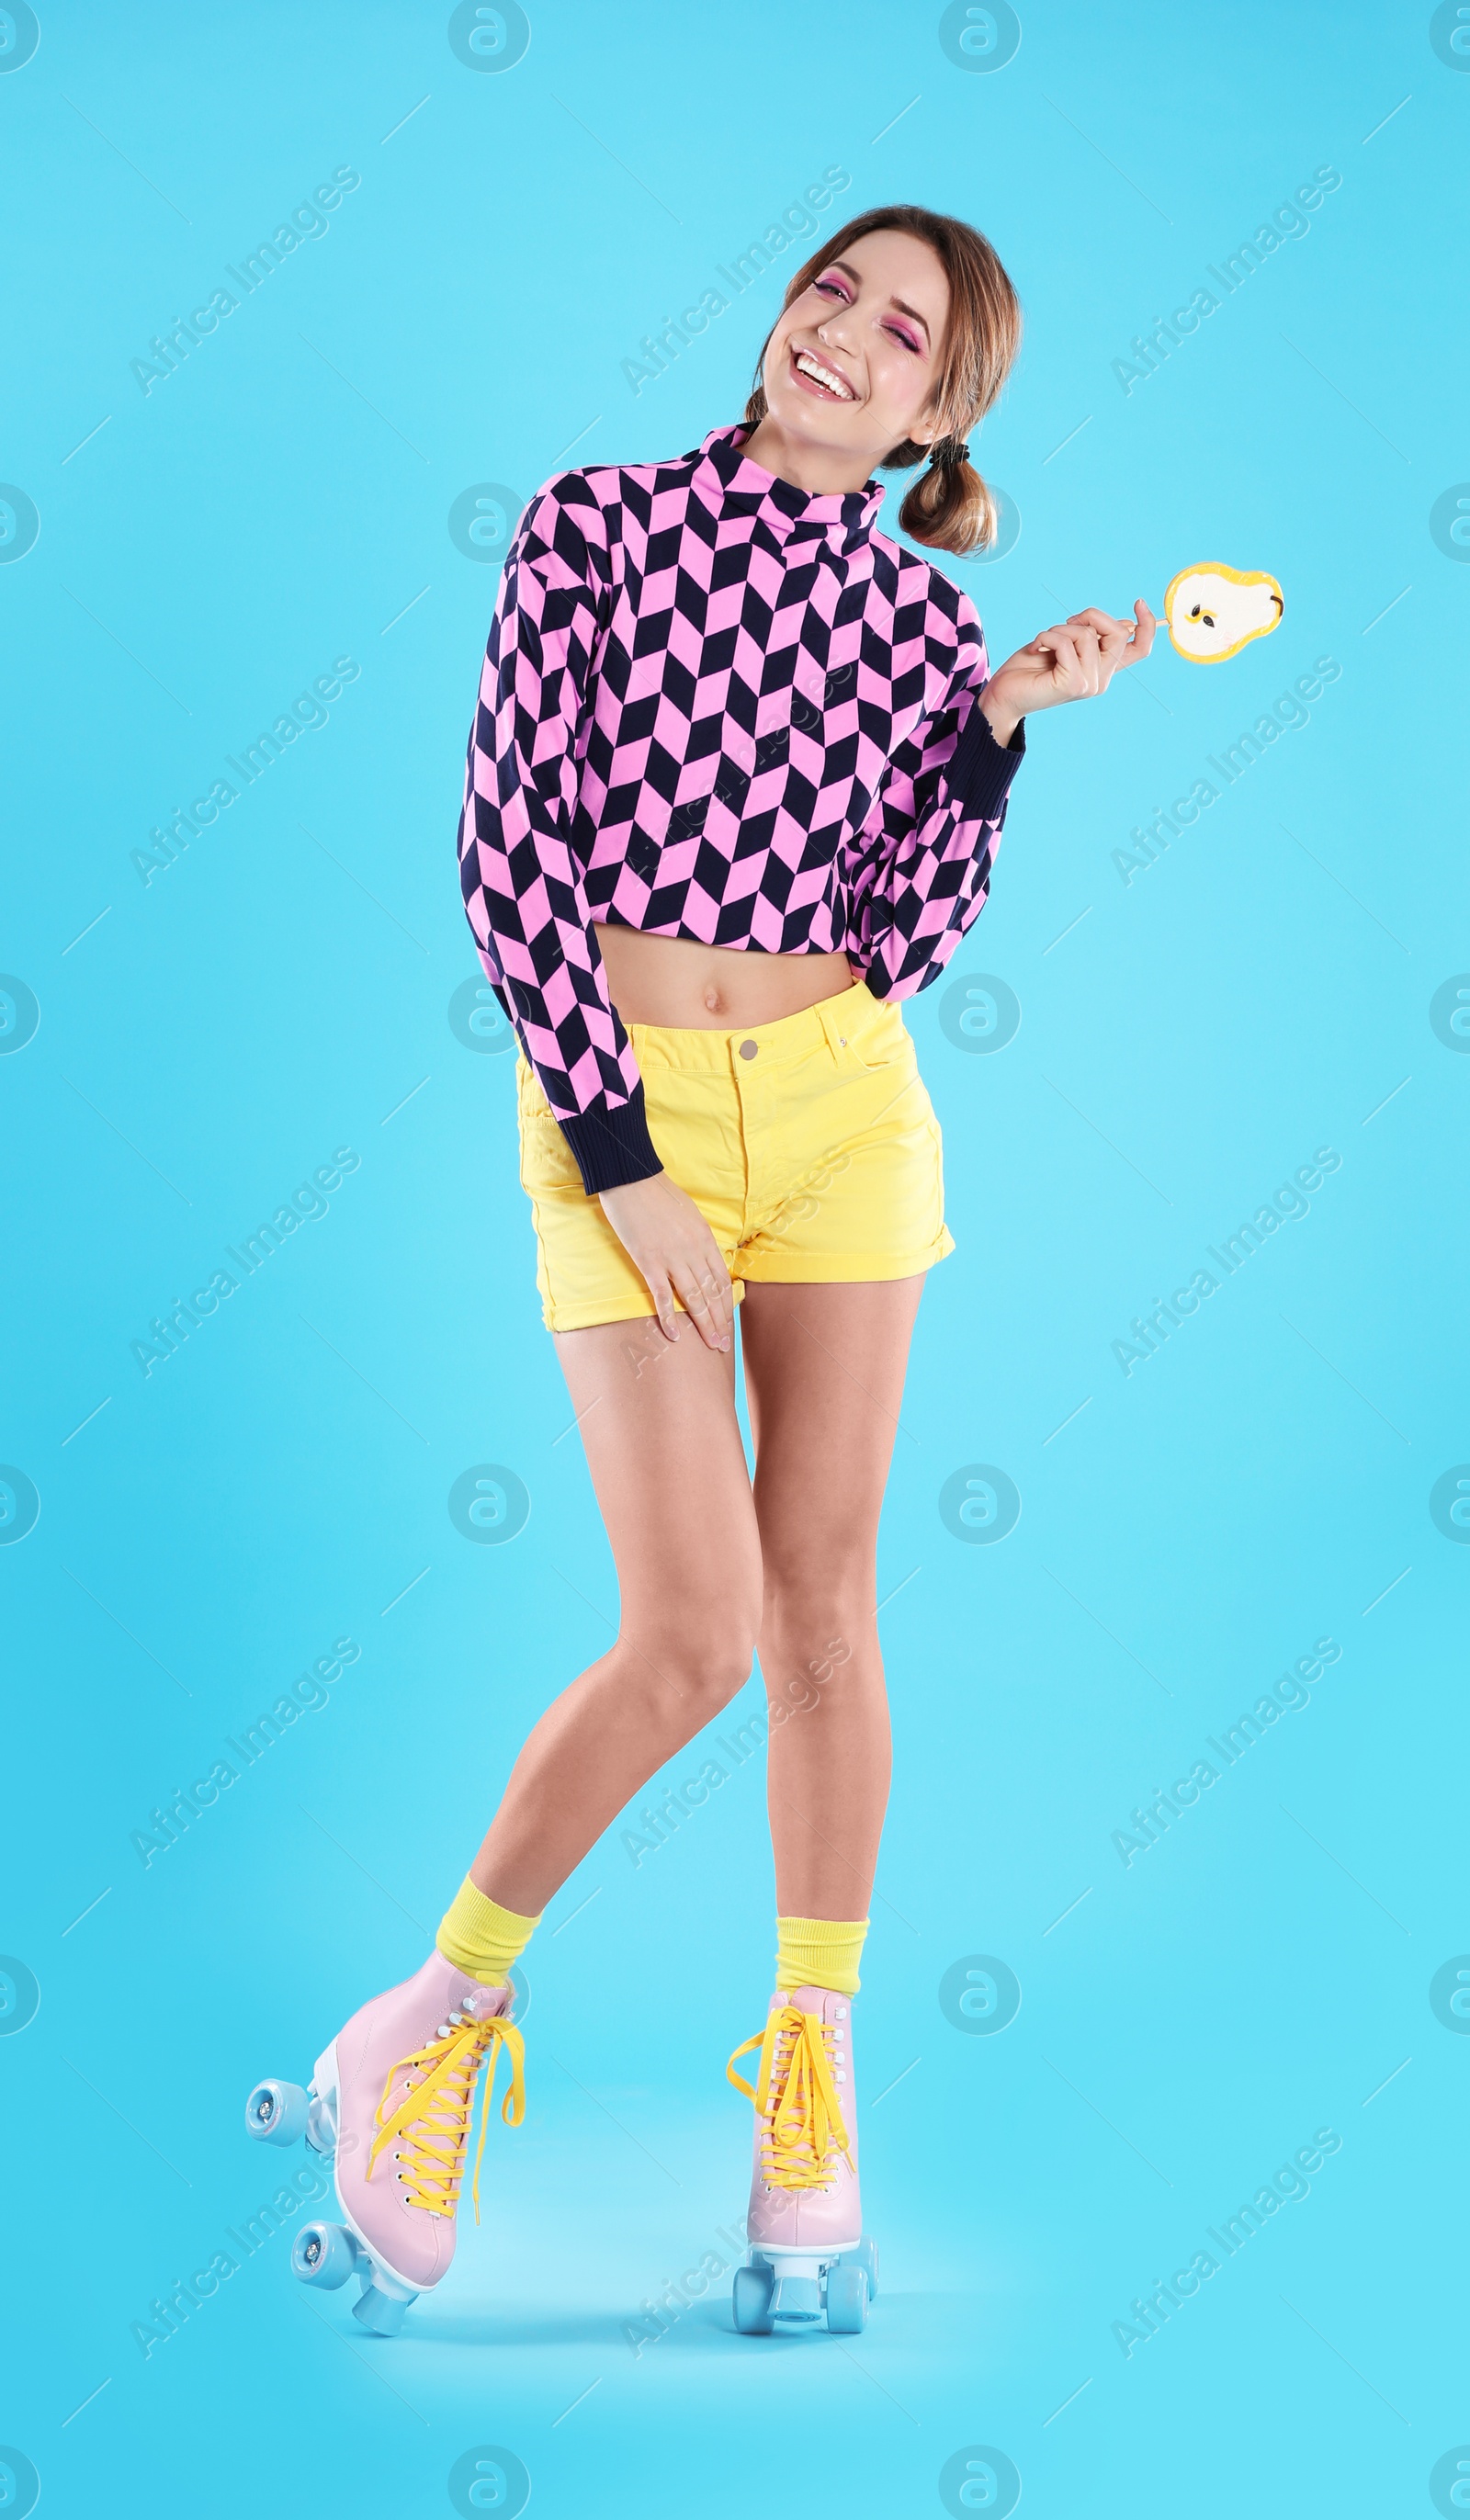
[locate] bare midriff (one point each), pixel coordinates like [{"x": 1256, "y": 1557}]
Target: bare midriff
[{"x": 687, "y": 987}]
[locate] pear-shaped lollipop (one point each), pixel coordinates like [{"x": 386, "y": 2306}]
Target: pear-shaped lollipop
[{"x": 1214, "y": 611}]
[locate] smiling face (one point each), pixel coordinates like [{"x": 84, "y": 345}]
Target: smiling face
[{"x": 851, "y": 367}]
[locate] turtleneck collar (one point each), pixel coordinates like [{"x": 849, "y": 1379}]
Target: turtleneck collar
[{"x": 844, "y": 519}]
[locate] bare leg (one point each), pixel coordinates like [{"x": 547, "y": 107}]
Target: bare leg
[
  {"x": 664, "y": 1448},
  {"x": 825, "y": 1377}
]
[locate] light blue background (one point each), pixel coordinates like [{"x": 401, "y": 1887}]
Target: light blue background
[{"x": 283, "y": 990}]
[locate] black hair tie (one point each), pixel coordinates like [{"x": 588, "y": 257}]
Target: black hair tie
[{"x": 949, "y": 452}]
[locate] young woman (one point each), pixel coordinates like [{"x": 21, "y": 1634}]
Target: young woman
[{"x": 735, "y": 787}]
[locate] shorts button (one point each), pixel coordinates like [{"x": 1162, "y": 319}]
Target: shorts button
[{"x": 748, "y": 1049}]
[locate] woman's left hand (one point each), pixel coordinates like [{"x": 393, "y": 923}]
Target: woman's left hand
[{"x": 1074, "y": 660}]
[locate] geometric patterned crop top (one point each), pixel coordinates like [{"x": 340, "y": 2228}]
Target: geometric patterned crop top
[{"x": 714, "y": 706}]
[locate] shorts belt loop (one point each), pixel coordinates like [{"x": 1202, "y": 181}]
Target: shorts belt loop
[{"x": 838, "y": 1021}]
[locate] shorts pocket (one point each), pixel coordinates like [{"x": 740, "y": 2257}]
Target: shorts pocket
[
  {"x": 547, "y": 1166},
  {"x": 885, "y": 1048},
  {"x": 546, "y": 1161}
]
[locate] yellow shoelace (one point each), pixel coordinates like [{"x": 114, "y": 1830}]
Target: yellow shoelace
[
  {"x": 431, "y": 2122},
  {"x": 796, "y": 2098}
]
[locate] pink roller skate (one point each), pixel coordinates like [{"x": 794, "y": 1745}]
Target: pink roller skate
[
  {"x": 390, "y": 2104},
  {"x": 807, "y": 2251}
]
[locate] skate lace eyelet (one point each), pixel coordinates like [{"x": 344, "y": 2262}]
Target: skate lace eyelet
[
  {"x": 427, "y": 2101},
  {"x": 796, "y": 2093}
]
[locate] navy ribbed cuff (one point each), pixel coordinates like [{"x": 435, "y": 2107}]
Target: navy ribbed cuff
[
  {"x": 979, "y": 771},
  {"x": 612, "y": 1143}
]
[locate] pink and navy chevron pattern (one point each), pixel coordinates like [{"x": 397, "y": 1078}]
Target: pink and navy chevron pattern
[{"x": 717, "y": 706}]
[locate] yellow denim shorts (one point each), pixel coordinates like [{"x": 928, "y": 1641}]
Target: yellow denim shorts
[{"x": 810, "y": 1147}]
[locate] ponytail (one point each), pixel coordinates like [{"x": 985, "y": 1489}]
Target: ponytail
[{"x": 950, "y": 508}]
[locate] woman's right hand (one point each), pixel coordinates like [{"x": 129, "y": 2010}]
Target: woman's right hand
[{"x": 675, "y": 1253}]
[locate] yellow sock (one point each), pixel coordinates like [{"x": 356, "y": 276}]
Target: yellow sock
[
  {"x": 482, "y": 1938},
  {"x": 811, "y": 1951}
]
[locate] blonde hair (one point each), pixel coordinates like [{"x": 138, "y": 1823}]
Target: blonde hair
[{"x": 949, "y": 507}]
